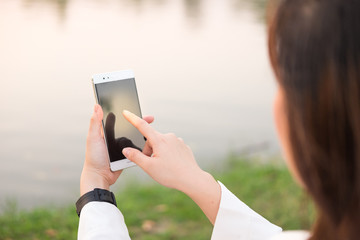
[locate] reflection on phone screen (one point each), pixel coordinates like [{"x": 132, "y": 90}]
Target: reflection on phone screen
[{"x": 114, "y": 97}]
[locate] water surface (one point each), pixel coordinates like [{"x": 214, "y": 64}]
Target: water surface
[{"x": 201, "y": 68}]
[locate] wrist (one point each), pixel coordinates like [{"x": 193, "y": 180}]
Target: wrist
[
  {"x": 201, "y": 181},
  {"x": 205, "y": 191},
  {"x": 99, "y": 195},
  {"x": 90, "y": 180}
]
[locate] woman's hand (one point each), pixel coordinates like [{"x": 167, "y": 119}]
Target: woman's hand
[
  {"x": 170, "y": 162},
  {"x": 96, "y": 172}
]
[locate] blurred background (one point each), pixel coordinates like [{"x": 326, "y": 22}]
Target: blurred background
[{"x": 201, "y": 69}]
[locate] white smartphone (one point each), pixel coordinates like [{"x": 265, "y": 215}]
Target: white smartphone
[{"x": 115, "y": 92}]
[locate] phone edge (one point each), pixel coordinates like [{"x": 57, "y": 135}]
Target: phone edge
[{"x": 123, "y": 163}]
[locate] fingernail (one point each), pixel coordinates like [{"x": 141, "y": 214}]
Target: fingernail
[
  {"x": 96, "y": 108},
  {"x": 126, "y": 112},
  {"x": 126, "y": 151}
]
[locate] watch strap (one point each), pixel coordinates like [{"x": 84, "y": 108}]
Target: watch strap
[{"x": 98, "y": 195}]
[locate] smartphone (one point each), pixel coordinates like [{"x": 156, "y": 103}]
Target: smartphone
[{"x": 115, "y": 92}]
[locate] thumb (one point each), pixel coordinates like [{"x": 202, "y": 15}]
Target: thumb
[
  {"x": 135, "y": 156},
  {"x": 95, "y": 122}
]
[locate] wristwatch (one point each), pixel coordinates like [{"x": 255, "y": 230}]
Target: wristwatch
[{"x": 98, "y": 195}]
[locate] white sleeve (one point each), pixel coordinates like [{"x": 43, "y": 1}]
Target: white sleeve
[
  {"x": 102, "y": 220},
  {"x": 292, "y": 235},
  {"x": 235, "y": 220}
]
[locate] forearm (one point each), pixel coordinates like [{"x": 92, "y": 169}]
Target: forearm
[{"x": 205, "y": 191}]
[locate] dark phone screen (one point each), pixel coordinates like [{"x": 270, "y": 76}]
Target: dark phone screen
[{"x": 114, "y": 97}]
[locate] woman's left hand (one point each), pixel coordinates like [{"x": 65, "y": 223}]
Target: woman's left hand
[{"x": 96, "y": 172}]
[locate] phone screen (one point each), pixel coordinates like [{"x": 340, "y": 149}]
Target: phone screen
[{"x": 114, "y": 97}]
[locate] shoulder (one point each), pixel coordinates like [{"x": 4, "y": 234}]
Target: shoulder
[{"x": 292, "y": 235}]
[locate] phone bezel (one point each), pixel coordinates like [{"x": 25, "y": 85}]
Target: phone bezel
[{"x": 110, "y": 77}]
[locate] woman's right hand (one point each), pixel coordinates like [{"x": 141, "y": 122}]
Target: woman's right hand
[
  {"x": 166, "y": 158},
  {"x": 170, "y": 162}
]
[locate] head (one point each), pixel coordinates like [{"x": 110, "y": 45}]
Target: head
[{"x": 314, "y": 48}]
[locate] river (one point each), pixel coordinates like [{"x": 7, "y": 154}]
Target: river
[{"x": 201, "y": 69}]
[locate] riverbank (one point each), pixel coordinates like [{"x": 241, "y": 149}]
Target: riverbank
[{"x": 155, "y": 212}]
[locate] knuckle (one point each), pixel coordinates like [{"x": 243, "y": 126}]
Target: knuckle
[
  {"x": 132, "y": 154},
  {"x": 92, "y": 119},
  {"x": 171, "y": 135},
  {"x": 141, "y": 123},
  {"x": 162, "y": 138}
]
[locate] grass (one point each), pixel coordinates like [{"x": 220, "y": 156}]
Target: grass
[{"x": 155, "y": 212}]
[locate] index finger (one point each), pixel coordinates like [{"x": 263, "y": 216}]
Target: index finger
[{"x": 141, "y": 125}]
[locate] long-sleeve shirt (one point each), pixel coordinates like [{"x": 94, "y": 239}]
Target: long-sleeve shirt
[{"x": 235, "y": 220}]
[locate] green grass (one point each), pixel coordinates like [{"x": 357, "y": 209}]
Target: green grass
[{"x": 155, "y": 212}]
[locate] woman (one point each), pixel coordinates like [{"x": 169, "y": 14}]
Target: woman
[{"x": 314, "y": 48}]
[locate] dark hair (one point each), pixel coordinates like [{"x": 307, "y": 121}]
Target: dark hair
[{"x": 314, "y": 48}]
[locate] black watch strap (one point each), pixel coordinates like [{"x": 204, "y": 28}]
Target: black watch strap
[{"x": 98, "y": 195}]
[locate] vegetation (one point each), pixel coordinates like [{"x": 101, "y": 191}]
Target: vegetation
[{"x": 155, "y": 212}]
